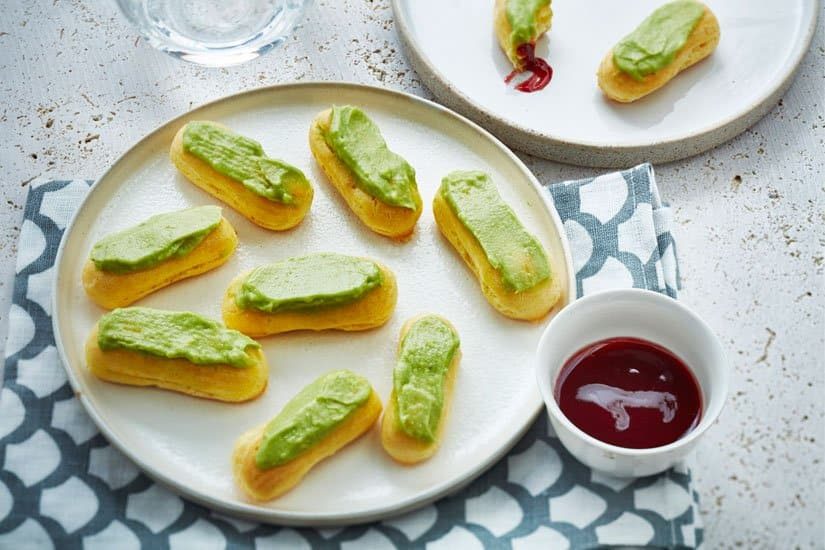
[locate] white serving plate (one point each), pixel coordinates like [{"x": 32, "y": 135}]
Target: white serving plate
[
  {"x": 452, "y": 47},
  {"x": 186, "y": 442}
]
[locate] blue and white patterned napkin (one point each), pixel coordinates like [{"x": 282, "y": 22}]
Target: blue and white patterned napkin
[
  {"x": 62, "y": 485},
  {"x": 619, "y": 232}
]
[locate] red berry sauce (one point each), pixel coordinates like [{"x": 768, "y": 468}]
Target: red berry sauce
[
  {"x": 542, "y": 71},
  {"x": 630, "y": 393}
]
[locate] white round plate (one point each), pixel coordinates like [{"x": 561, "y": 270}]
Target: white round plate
[
  {"x": 186, "y": 442},
  {"x": 452, "y": 47}
]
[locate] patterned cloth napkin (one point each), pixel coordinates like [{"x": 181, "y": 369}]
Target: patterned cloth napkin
[{"x": 62, "y": 485}]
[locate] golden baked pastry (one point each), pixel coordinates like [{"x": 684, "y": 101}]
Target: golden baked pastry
[
  {"x": 325, "y": 416},
  {"x": 268, "y": 192},
  {"x": 521, "y": 284},
  {"x": 424, "y": 377},
  {"x": 178, "y": 351},
  {"x": 111, "y": 284},
  {"x": 701, "y": 40},
  {"x": 389, "y": 204},
  {"x": 316, "y": 292}
]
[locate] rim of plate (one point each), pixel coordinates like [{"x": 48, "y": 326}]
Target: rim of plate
[
  {"x": 779, "y": 84},
  {"x": 268, "y": 515}
]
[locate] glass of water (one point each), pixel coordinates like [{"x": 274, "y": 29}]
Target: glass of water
[{"x": 214, "y": 33}]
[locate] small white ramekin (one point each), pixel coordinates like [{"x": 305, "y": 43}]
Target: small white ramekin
[{"x": 640, "y": 314}]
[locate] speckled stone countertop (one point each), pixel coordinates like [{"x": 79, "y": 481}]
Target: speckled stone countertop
[{"x": 78, "y": 87}]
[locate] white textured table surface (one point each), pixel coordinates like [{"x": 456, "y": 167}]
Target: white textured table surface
[{"x": 77, "y": 88}]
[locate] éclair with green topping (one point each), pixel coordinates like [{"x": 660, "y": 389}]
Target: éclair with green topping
[
  {"x": 378, "y": 184},
  {"x": 510, "y": 263},
  {"x": 426, "y": 354},
  {"x": 518, "y": 25},
  {"x": 328, "y": 414},
  {"x": 174, "y": 335},
  {"x": 126, "y": 266},
  {"x": 358, "y": 142},
  {"x": 308, "y": 282},
  {"x": 236, "y": 170},
  {"x": 656, "y": 41},
  {"x": 315, "y": 292},
  {"x": 674, "y": 37},
  {"x": 310, "y": 416},
  {"x": 523, "y": 16},
  {"x": 510, "y": 249},
  {"x": 243, "y": 159},
  {"x": 423, "y": 379},
  {"x": 179, "y": 351},
  {"x": 168, "y": 235}
]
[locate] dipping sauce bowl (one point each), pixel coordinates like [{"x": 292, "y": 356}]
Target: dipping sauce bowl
[{"x": 630, "y": 314}]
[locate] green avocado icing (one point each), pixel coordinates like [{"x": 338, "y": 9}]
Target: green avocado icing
[
  {"x": 307, "y": 282},
  {"x": 426, "y": 352},
  {"x": 357, "y": 142},
  {"x": 309, "y": 416},
  {"x": 159, "y": 238},
  {"x": 243, "y": 160},
  {"x": 174, "y": 335},
  {"x": 654, "y": 43},
  {"x": 510, "y": 249},
  {"x": 522, "y": 15}
]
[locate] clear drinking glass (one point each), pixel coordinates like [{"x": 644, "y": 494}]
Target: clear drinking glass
[{"x": 214, "y": 33}]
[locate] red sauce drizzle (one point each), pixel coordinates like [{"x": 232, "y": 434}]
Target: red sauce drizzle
[
  {"x": 629, "y": 392},
  {"x": 542, "y": 71}
]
